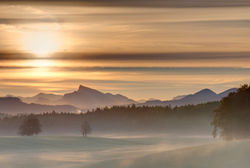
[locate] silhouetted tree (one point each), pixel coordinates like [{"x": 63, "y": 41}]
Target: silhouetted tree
[
  {"x": 232, "y": 117},
  {"x": 85, "y": 128},
  {"x": 30, "y": 126}
]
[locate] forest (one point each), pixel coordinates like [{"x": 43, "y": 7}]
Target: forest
[{"x": 189, "y": 119}]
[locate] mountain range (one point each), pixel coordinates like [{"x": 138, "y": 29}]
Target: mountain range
[
  {"x": 13, "y": 105},
  {"x": 86, "y": 98},
  {"x": 203, "y": 96}
]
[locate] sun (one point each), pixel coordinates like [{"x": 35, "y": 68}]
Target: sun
[{"x": 41, "y": 43}]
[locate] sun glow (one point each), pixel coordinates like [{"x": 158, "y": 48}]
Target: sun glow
[{"x": 41, "y": 43}]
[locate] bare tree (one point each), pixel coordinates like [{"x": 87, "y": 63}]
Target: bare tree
[{"x": 85, "y": 128}]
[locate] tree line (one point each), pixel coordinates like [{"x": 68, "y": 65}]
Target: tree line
[{"x": 120, "y": 119}]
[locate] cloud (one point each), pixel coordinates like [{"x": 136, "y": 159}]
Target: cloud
[
  {"x": 139, "y": 3},
  {"x": 15, "y": 56},
  {"x": 131, "y": 56},
  {"x": 140, "y": 69},
  {"x": 26, "y": 20},
  {"x": 153, "y": 56}
]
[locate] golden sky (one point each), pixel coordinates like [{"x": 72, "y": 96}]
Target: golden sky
[{"x": 140, "y": 49}]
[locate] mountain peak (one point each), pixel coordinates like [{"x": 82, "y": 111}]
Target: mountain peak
[
  {"x": 225, "y": 93},
  {"x": 89, "y": 98},
  {"x": 83, "y": 88},
  {"x": 206, "y": 92},
  {"x": 10, "y": 99},
  {"x": 40, "y": 94}
]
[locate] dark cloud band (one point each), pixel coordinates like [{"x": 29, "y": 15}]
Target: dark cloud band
[
  {"x": 168, "y": 70},
  {"x": 130, "y": 57},
  {"x": 26, "y": 20},
  {"x": 139, "y": 3}
]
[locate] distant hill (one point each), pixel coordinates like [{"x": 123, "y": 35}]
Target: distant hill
[
  {"x": 87, "y": 98},
  {"x": 225, "y": 93},
  {"x": 84, "y": 98},
  {"x": 43, "y": 98},
  {"x": 203, "y": 96},
  {"x": 13, "y": 105}
]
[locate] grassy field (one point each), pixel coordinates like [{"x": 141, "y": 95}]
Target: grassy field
[{"x": 129, "y": 152}]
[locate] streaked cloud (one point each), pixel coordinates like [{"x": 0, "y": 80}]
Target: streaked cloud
[
  {"x": 131, "y": 56},
  {"x": 141, "y": 49},
  {"x": 158, "y": 70},
  {"x": 26, "y": 20},
  {"x": 140, "y": 3}
]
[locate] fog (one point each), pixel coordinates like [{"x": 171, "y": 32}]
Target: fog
[
  {"x": 109, "y": 151},
  {"x": 122, "y": 137}
]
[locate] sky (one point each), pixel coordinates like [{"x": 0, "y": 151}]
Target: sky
[{"x": 142, "y": 49}]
